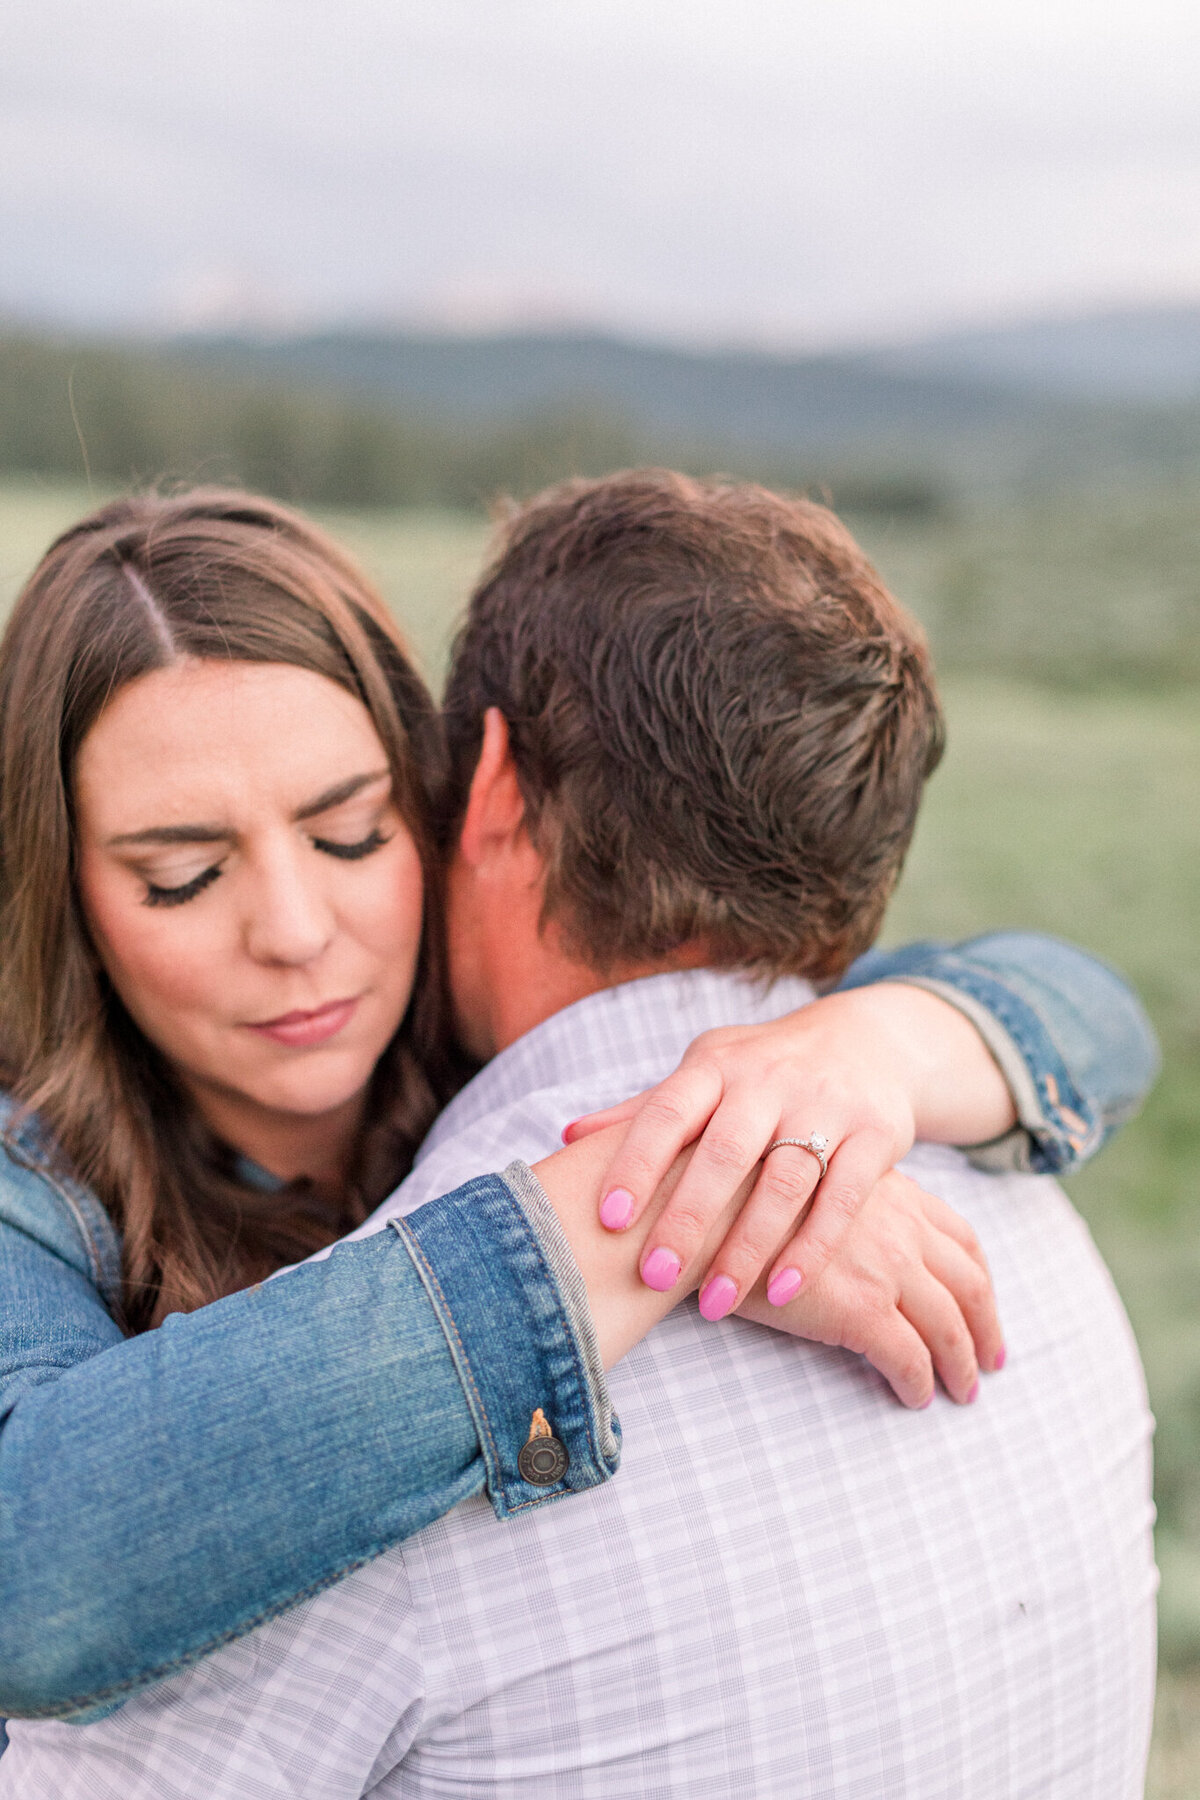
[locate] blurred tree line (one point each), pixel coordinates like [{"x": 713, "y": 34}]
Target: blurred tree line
[
  {"x": 129, "y": 414},
  {"x": 1084, "y": 574}
]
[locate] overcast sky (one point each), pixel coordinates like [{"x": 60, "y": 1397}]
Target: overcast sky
[{"x": 794, "y": 172}]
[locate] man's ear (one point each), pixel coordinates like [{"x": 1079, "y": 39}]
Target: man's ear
[{"x": 495, "y": 812}]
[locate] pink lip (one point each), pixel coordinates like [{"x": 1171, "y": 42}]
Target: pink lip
[{"x": 302, "y": 1029}]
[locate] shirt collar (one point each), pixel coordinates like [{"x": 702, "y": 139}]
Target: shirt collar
[{"x": 625, "y": 1030}]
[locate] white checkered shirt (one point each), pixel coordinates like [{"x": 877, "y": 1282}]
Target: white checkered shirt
[{"x": 793, "y": 1588}]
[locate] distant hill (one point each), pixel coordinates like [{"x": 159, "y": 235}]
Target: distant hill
[
  {"x": 1046, "y": 402},
  {"x": 1149, "y": 354},
  {"x": 753, "y": 401}
]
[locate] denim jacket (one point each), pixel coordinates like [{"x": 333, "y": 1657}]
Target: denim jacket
[{"x": 163, "y": 1494}]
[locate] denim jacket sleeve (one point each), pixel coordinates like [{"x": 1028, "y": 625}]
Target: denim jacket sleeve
[
  {"x": 162, "y": 1494},
  {"x": 1070, "y": 1036}
]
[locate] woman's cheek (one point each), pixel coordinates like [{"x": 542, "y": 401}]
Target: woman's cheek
[
  {"x": 396, "y": 909},
  {"x": 164, "y": 965}
]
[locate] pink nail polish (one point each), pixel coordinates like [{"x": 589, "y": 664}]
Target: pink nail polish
[
  {"x": 717, "y": 1297},
  {"x": 1001, "y": 1359},
  {"x": 660, "y": 1270},
  {"x": 784, "y": 1286},
  {"x": 974, "y": 1393},
  {"x": 616, "y": 1210}
]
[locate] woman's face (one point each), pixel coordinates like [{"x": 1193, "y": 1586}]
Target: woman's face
[{"x": 250, "y": 888}]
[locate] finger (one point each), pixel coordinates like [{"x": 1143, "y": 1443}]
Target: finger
[
  {"x": 966, "y": 1278},
  {"x": 782, "y": 1191},
  {"x": 727, "y": 1154},
  {"x": 946, "y": 1220},
  {"x": 600, "y": 1121},
  {"x": 854, "y": 1169},
  {"x": 667, "y": 1119},
  {"x": 953, "y": 1253},
  {"x": 902, "y": 1357},
  {"x": 933, "y": 1312}
]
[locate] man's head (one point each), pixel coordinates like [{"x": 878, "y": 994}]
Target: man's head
[{"x": 714, "y": 729}]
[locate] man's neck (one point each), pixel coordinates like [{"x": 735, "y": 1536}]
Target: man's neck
[
  {"x": 555, "y": 982},
  {"x": 510, "y": 968}
]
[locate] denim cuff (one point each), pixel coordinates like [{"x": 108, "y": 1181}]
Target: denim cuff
[
  {"x": 572, "y": 1288},
  {"x": 513, "y": 1307},
  {"x": 1057, "y": 1126}
]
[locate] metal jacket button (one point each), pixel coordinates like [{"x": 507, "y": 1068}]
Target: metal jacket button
[{"x": 543, "y": 1459}]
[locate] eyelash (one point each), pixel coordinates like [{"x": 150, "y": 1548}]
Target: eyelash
[
  {"x": 176, "y": 896},
  {"x": 179, "y": 896},
  {"x": 374, "y": 840}
]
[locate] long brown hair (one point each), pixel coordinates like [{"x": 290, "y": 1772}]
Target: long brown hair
[{"x": 225, "y": 576}]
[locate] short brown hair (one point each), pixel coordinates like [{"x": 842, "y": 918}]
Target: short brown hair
[
  {"x": 139, "y": 583},
  {"x": 720, "y": 719}
]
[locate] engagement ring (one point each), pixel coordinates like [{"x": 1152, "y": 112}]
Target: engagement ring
[{"x": 816, "y": 1143}]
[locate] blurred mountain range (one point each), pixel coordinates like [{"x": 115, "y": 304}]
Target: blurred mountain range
[
  {"x": 733, "y": 397},
  {"x": 1049, "y": 399},
  {"x": 1149, "y": 355},
  {"x": 1145, "y": 357},
  {"x": 378, "y": 417}
]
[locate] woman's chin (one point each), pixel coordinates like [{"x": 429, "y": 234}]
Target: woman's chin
[
  {"x": 311, "y": 1099},
  {"x": 314, "y": 1087}
]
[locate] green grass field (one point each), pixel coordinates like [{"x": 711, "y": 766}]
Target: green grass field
[{"x": 1068, "y": 808}]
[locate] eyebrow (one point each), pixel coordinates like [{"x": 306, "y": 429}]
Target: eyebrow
[
  {"x": 215, "y": 834},
  {"x": 337, "y": 796}
]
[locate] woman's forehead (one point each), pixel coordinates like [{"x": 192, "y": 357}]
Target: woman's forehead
[{"x": 224, "y": 738}]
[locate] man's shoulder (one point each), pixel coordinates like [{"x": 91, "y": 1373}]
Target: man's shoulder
[{"x": 526, "y": 1128}]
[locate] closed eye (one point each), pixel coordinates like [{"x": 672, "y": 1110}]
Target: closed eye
[
  {"x": 374, "y": 840},
  {"x": 178, "y": 896}
]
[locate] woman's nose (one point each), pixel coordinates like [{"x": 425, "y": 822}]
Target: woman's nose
[{"x": 289, "y": 918}]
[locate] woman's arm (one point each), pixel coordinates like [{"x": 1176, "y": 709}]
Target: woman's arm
[
  {"x": 161, "y": 1494},
  {"x": 1076, "y": 1049}
]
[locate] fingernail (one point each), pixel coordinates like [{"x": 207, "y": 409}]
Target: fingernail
[
  {"x": 925, "y": 1404},
  {"x": 717, "y": 1297},
  {"x": 1001, "y": 1359},
  {"x": 784, "y": 1286},
  {"x": 616, "y": 1210},
  {"x": 567, "y": 1130},
  {"x": 661, "y": 1269},
  {"x": 974, "y": 1393}
]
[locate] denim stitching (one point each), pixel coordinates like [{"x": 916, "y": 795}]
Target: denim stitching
[
  {"x": 1013, "y": 1012},
  {"x": 581, "y": 1383},
  {"x": 505, "y": 1484},
  {"x": 583, "y": 1359},
  {"x": 444, "y": 1313},
  {"x": 24, "y": 1158}
]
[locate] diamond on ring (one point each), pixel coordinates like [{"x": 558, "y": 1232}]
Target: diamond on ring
[{"x": 816, "y": 1143}]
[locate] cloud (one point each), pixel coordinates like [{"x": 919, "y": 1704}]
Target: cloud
[{"x": 798, "y": 171}]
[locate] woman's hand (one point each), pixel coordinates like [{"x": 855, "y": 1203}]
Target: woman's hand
[
  {"x": 908, "y": 1289},
  {"x": 870, "y": 1069}
]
